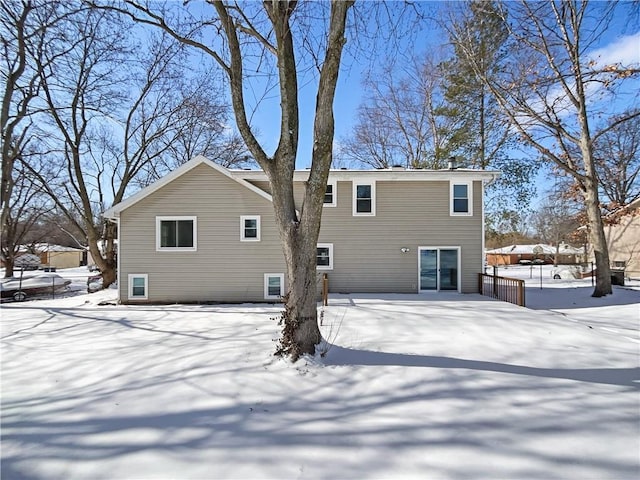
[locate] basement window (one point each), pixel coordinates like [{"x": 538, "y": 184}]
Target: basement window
[
  {"x": 273, "y": 286},
  {"x": 138, "y": 286}
]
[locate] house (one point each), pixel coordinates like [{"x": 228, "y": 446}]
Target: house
[
  {"x": 204, "y": 233},
  {"x": 518, "y": 254},
  {"x": 623, "y": 239},
  {"x": 57, "y": 256}
]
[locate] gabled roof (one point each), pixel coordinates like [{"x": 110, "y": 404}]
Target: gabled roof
[
  {"x": 48, "y": 247},
  {"x": 114, "y": 212},
  {"x": 624, "y": 209}
]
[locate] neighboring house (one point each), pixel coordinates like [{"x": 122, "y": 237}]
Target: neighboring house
[
  {"x": 515, "y": 254},
  {"x": 623, "y": 240},
  {"x": 27, "y": 261},
  {"x": 205, "y": 233},
  {"x": 57, "y": 256}
]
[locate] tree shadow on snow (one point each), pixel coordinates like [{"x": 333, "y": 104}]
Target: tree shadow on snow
[
  {"x": 340, "y": 356},
  {"x": 577, "y": 297}
]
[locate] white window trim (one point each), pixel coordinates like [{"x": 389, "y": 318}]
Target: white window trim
[
  {"x": 330, "y": 247},
  {"x": 243, "y": 231},
  {"x": 469, "y": 185},
  {"x": 334, "y": 196},
  {"x": 354, "y": 188},
  {"x": 130, "y": 294},
  {"x": 267, "y": 276},
  {"x": 159, "y": 248}
]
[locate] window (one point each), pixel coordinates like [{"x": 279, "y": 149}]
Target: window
[
  {"x": 619, "y": 264},
  {"x": 176, "y": 234},
  {"x": 138, "y": 285},
  {"x": 364, "y": 198},
  {"x": 324, "y": 258},
  {"x": 331, "y": 195},
  {"x": 273, "y": 286},
  {"x": 250, "y": 228},
  {"x": 461, "y": 198}
]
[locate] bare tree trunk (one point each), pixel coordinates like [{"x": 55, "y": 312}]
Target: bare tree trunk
[
  {"x": 107, "y": 263},
  {"x": 598, "y": 242},
  {"x": 300, "y": 333},
  {"x": 592, "y": 200},
  {"x": 9, "y": 262},
  {"x": 298, "y": 232}
]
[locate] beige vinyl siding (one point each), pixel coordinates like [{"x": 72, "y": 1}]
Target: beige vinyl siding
[
  {"x": 62, "y": 259},
  {"x": 623, "y": 240},
  {"x": 223, "y": 269},
  {"x": 367, "y": 253},
  {"x": 263, "y": 185},
  {"x": 366, "y": 250}
]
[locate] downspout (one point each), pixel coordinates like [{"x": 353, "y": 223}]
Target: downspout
[
  {"x": 483, "y": 257},
  {"x": 118, "y": 300}
]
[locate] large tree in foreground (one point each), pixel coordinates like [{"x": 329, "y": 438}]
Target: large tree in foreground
[
  {"x": 248, "y": 37},
  {"x": 552, "y": 86},
  {"x": 27, "y": 30}
]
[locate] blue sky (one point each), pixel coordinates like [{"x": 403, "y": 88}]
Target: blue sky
[
  {"x": 620, "y": 43},
  {"x": 359, "y": 56}
]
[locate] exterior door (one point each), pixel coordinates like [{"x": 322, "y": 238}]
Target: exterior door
[{"x": 439, "y": 268}]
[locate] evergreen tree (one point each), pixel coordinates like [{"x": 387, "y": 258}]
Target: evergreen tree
[
  {"x": 483, "y": 133},
  {"x": 484, "y": 139}
]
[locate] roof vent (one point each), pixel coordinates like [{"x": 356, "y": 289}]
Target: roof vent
[
  {"x": 343, "y": 168},
  {"x": 397, "y": 167},
  {"x": 452, "y": 163}
]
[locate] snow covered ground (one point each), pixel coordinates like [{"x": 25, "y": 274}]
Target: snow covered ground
[{"x": 440, "y": 386}]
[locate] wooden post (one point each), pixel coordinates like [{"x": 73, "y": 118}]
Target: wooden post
[{"x": 325, "y": 289}]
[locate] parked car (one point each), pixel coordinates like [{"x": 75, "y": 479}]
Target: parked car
[
  {"x": 45, "y": 283},
  {"x": 566, "y": 272}
]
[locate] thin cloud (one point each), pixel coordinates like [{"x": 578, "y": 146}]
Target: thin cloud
[{"x": 624, "y": 51}]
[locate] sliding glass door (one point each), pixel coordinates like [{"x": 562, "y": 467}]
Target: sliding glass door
[{"x": 438, "y": 268}]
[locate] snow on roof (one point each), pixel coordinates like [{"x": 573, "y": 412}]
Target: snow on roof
[
  {"x": 48, "y": 247},
  {"x": 390, "y": 174},
  {"x": 529, "y": 249}
]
